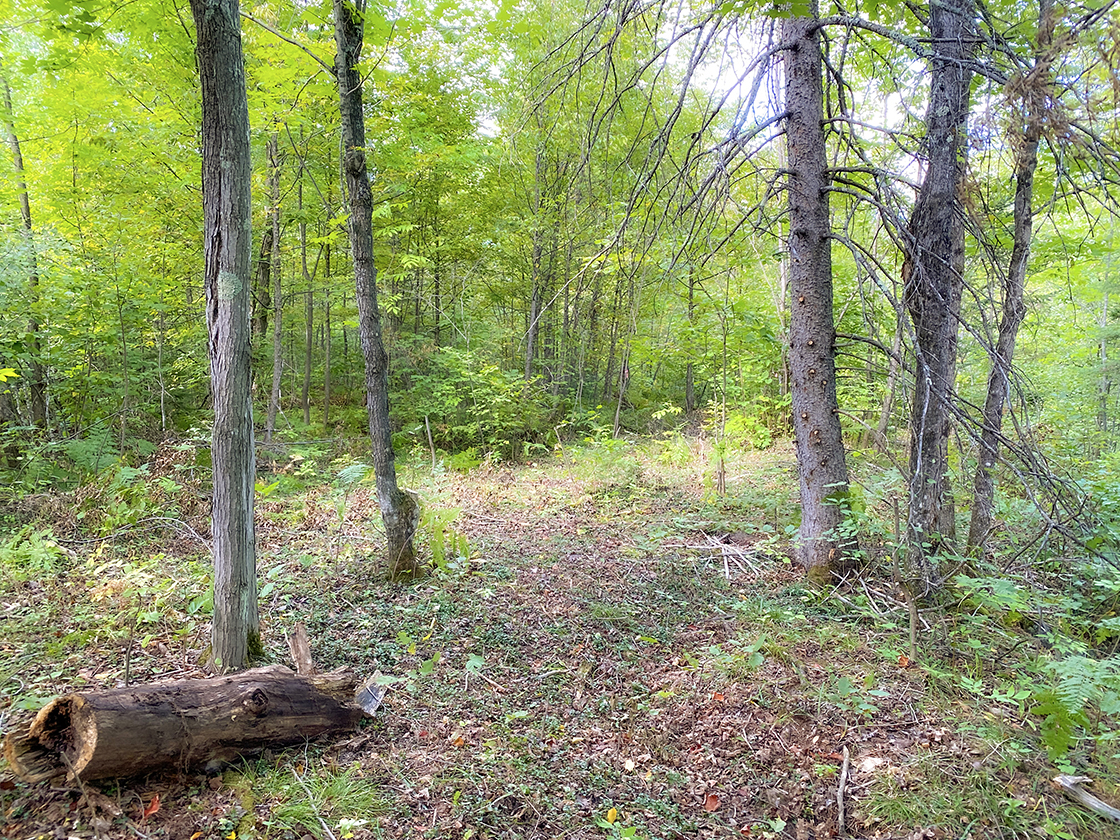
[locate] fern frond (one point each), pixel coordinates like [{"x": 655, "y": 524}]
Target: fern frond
[{"x": 354, "y": 474}]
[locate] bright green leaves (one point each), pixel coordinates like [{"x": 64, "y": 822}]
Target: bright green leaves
[
  {"x": 771, "y": 8},
  {"x": 75, "y": 16}
]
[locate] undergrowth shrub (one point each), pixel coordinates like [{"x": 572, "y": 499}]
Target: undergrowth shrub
[
  {"x": 470, "y": 404},
  {"x": 1073, "y": 689},
  {"x": 30, "y": 554},
  {"x": 117, "y": 498}
]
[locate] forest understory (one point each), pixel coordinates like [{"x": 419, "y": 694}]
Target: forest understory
[{"x": 606, "y": 649}]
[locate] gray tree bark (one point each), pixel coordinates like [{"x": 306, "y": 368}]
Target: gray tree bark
[
  {"x": 933, "y": 279},
  {"x": 226, "y": 179},
  {"x": 399, "y": 510},
  {"x": 1034, "y": 108},
  {"x": 822, "y": 470}
]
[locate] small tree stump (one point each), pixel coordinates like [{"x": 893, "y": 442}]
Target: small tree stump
[{"x": 184, "y": 723}]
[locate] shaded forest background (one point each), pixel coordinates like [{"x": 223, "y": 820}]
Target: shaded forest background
[{"x": 580, "y": 234}]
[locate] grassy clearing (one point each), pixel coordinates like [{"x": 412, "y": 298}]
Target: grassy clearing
[{"x": 617, "y": 654}]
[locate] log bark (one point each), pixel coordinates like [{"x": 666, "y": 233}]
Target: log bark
[{"x": 180, "y": 724}]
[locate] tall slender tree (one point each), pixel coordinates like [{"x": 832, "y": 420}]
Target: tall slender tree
[
  {"x": 1036, "y": 90},
  {"x": 399, "y": 510},
  {"x": 933, "y": 274},
  {"x": 226, "y": 179},
  {"x": 277, "y": 291},
  {"x": 821, "y": 467}
]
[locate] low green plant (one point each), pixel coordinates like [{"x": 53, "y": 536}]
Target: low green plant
[
  {"x": 30, "y": 554},
  {"x": 1083, "y": 696},
  {"x": 95, "y": 451},
  {"x": 1075, "y": 694},
  {"x": 850, "y": 698},
  {"x": 612, "y": 827},
  {"x": 324, "y": 802},
  {"x": 447, "y": 545}
]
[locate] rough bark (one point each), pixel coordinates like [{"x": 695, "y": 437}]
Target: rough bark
[
  {"x": 1036, "y": 94},
  {"x": 226, "y": 179},
  {"x": 536, "y": 260},
  {"x": 1104, "y": 382},
  {"x": 932, "y": 274},
  {"x": 821, "y": 467},
  {"x": 179, "y": 724},
  {"x": 399, "y": 510},
  {"x": 689, "y": 370}
]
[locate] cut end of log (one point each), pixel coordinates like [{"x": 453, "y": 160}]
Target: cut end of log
[
  {"x": 46, "y": 748},
  {"x": 29, "y": 759}
]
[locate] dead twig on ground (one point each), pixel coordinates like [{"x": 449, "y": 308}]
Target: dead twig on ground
[
  {"x": 1071, "y": 787},
  {"x": 840, "y": 793}
]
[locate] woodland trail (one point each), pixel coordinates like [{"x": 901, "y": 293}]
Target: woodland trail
[{"x": 619, "y": 655}]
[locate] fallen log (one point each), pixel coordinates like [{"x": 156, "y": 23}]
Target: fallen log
[{"x": 180, "y": 724}]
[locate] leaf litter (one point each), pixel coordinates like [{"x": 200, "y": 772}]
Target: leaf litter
[{"x": 594, "y": 668}]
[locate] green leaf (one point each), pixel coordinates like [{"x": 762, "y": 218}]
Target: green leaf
[{"x": 429, "y": 665}]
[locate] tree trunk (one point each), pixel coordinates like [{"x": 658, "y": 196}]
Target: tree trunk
[
  {"x": 277, "y": 298},
  {"x": 179, "y": 724},
  {"x": 227, "y": 211},
  {"x": 932, "y": 276},
  {"x": 1104, "y": 384},
  {"x": 1014, "y": 309},
  {"x": 126, "y": 382},
  {"x": 690, "y": 345},
  {"x": 262, "y": 286},
  {"x": 437, "y": 270},
  {"x": 37, "y": 381},
  {"x": 822, "y": 470},
  {"x": 327, "y": 351},
  {"x": 309, "y": 307},
  {"x": 535, "y": 261},
  {"x": 399, "y": 510}
]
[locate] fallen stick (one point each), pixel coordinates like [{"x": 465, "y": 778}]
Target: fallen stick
[
  {"x": 132, "y": 730},
  {"x": 1071, "y": 787},
  {"x": 840, "y": 794}
]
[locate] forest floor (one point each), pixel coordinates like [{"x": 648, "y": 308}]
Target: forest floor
[{"x": 619, "y": 654}]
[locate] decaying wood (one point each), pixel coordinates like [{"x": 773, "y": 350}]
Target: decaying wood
[
  {"x": 300, "y": 648},
  {"x": 126, "y": 731},
  {"x": 1071, "y": 787}
]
